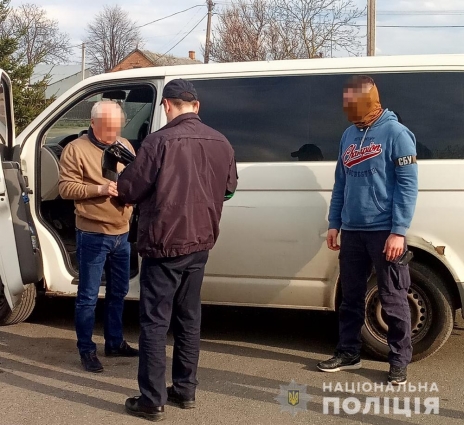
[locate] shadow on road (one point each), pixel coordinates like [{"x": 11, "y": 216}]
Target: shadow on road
[{"x": 243, "y": 332}]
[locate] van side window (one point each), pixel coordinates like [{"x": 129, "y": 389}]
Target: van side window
[
  {"x": 275, "y": 119},
  {"x": 267, "y": 119},
  {"x": 137, "y": 103},
  {"x": 431, "y": 105}
]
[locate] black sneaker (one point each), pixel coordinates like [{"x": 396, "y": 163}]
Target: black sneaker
[
  {"x": 341, "y": 361},
  {"x": 398, "y": 375},
  {"x": 152, "y": 413},
  {"x": 125, "y": 350},
  {"x": 184, "y": 403},
  {"x": 91, "y": 363}
]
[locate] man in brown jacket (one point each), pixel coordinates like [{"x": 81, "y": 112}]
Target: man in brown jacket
[
  {"x": 102, "y": 224},
  {"x": 180, "y": 178}
]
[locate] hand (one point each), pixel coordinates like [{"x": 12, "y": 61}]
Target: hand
[
  {"x": 394, "y": 247},
  {"x": 109, "y": 189},
  {"x": 332, "y": 242}
]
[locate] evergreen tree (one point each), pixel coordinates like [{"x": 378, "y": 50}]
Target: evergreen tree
[{"x": 28, "y": 99}]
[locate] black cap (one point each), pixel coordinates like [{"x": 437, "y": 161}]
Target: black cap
[
  {"x": 308, "y": 152},
  {"x": 180, "y": 89}
]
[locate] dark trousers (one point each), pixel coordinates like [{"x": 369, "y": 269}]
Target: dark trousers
[
  {"x": 170, "y": 287},
  {"x": 97, "y": 252},
  {"x": 359, "y": 251}
]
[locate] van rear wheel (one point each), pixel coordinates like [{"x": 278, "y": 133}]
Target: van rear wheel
[
  {"x": 432, "y": 315},
  {"x": 22, "y": 311}
]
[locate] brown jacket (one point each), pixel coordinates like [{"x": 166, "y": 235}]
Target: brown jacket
[
  {"x": 80, "y": 176},
  {"x": 179, "y": 179}
]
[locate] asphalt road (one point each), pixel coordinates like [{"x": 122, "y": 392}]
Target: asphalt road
[{"x": 247, "y": 355}]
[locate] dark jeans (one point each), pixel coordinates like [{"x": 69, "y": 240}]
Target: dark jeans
[
  {"x": 170, "y": 287},
  {"x": 97, "y": 252},
  {"x": 359, "y": 251}
]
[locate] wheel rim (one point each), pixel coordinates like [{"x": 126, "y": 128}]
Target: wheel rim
[{"x": 419, "y": 305}]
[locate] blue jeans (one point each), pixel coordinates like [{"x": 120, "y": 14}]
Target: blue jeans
[{"x": 97, "y": 252}]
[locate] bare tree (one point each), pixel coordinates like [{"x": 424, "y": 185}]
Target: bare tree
[
  {"x": 285, "y": 29},
  {"x": 323, "y": 24},
  {"x": 39, "y": 38},
  {"x": 111, "y": 36},
  {"x": 245, "y": 32}
]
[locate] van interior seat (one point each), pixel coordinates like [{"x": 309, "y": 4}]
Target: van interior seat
[{"x": 49, "y": 171}]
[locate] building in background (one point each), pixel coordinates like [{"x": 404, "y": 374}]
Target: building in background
[{"x": 144, "y": 59}]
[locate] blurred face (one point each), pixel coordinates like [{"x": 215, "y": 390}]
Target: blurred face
[
  {"x": 352, "y": 98},
  {"x": 108, "y": 123}
]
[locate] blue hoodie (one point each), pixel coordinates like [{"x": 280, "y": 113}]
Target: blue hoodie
[{"x": 376, "y": 178}]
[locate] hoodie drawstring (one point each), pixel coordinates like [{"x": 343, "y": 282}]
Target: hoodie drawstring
[{"x": 364, "y": 138}]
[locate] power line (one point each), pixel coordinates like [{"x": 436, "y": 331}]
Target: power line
[
  {"x": 421, "y": 26},
  {"x": 381, "y": 26},
  {"x": 184, "y": 37},
  {"x": 148, "y": 23},
  {"x": 180, "y": 31},
  {"x": 420, "y": 12},
  {"x": 172, "y": 36},
  {"x": 409, "y": 26},
  {"x": 169, "y": 16},
  {"x": 379, "y": 12}
]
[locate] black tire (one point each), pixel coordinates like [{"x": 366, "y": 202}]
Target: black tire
[
  {"x": 22, "y": 311},
  {"x": 432, "y": 315}
]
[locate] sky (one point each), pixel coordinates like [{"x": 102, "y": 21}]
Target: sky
[{"x": 164, "y": 35}]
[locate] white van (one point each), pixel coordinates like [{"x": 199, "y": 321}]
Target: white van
[{"x": 285, "y": 120}]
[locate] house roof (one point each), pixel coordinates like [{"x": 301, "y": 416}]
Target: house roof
[
  {"x": 166, "y": 60},
  {"x": 56, "y": 72}
]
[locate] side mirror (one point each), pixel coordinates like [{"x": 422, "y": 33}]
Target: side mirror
[{"x": 112, "y": 155}]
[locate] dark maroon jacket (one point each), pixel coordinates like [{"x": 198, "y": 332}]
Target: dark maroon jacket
[{"x": 179, "y": 179}]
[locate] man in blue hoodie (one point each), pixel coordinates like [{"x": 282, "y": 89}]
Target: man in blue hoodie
[{"x": 373, "y": 203}]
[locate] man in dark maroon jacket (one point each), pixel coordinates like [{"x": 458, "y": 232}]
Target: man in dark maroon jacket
[{"x": 180, "y": 178}]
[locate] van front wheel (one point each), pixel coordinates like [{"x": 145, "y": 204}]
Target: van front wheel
[
  {"x": 22, "y": 311},
  {"x": 432, "y": 315}
]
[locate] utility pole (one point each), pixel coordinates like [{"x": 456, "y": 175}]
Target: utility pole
[
  {"x": 83, "y": 61},
  {"x": 210, "y": 5},
  {"x": 371, "y": 27}
]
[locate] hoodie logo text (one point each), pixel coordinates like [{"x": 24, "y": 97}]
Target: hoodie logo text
[{"x": 353, "y": 156}]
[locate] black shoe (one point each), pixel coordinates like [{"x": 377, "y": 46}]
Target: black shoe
[
  {"x": 398, "y": 375},
  {"x": 91, "y": 363},
  {"x": 341, "y": 361},
  {"x": 184, "y": 403},
  {"x": 154, "y": 413},
  {"x": 124, "y": 350}
]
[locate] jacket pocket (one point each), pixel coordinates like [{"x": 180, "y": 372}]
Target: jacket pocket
[
  {"x": 151, "y": 236},
  {"x": 361, "y": 206}
]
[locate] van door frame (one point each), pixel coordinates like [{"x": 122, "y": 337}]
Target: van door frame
[
  {"x": 10, "y": 269},
  {"x": 57, "y": 113}
]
